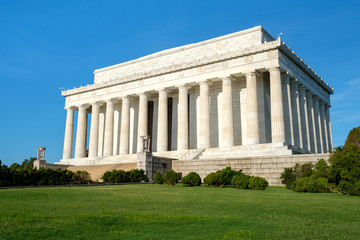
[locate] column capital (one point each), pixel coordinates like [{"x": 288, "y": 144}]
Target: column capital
[
  {"x": 97, "y": 103},
  {"x": 183, "y": 86},
  {"x": 251, "y": 73},
  {"x": 286, "y": 77},
  {"x": 204, "y": 82},
  {"x": 275, "y": 68},
  {"x": 142, "y": 94},
  {"x": 84, "y": 105},
  {"x": 302, "y": 87},
  {"x": 227, "y": 78},
  {"x": 161, "y": 90},
  {"x": 70, "y": 108}
]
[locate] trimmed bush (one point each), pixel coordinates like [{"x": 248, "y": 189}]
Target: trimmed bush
[
  {"x": 158, "y": 178},
  {"x": 171, "y": 177},
  {"x": 288, "y": 177},
  {"x": 227, "y": 174},
  {"x": 81, "y": 177},
  {"x": 214, "y": 179},
  {"x": 120, "y": 176},
  {"x": 192, "y": 179},
  {"x": 240, "y": 181},
  {"x": 258, "y": 183},
  {"x": 311, "y": 184}
]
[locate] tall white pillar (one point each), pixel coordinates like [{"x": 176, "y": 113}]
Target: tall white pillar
[
  {"x": 328, "y": 125},
  {"x": 94, "y": 130},
  {"x": 204, "y": 128},
  {"x": 288, "y": 116},
  {"x": 304, "y": 118},
  {"x": 320, "y": 126},
  {"x": 109, "y": 128},
  {"x": 323, "y": 127},
  {"x": 162, "y": 135},
  {"x": 125, "y": 126},
  {"x": 252, "y": 117},
  {"x": 69, "y": 132},
  {"x": 183, "y": 123},
  {"x": 312, "y": 126},
  {"x": 227, "y": 113},
  {"x": 296, "y": 114},
  {"x": 81, "y": 133},
  {"x": 319, "y": 139},
  {"x": 277, "y": 109},
  {"x": 142, "y": 122}
]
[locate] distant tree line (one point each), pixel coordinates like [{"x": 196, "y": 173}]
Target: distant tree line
[{"x": 24, "y": 174}]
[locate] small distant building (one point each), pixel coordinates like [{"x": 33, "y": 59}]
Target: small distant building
[{"x": 244, "y": 99}]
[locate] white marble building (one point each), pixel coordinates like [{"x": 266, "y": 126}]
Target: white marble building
[{"x": 239, "y": 95}]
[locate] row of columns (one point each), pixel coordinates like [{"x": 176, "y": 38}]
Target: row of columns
[{"x": 306, "y": 119}]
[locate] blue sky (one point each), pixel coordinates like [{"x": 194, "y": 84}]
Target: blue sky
[{"x": 46, "y": 45}]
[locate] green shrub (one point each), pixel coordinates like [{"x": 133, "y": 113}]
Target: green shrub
[
  {"x": 136, "y": 175},
  {"x": 258, "y": 183},
  {"x": 192, "y": 179},
  {"x": 171, "y": 177},
  {"x": 158, "y": 178},
  {"x": 311, "y": 184},
  {"x": 241, "y": 181},
  {"x": 227, "y": 174},
  {"x": 288, "y": 177},
  {"x": 120, "y": 176},
  {"x": 81, "y": 177},
  {"x": 214, "y": 179}
]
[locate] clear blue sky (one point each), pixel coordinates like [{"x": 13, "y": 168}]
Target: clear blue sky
[{"x": 45, "y": 45}]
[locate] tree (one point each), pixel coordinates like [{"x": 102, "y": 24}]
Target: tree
[{"x": 353, "y": 136}]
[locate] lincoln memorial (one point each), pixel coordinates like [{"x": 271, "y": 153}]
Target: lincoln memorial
[{"x": 245, "y": 100}]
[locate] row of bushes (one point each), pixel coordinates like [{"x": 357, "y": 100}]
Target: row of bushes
[
  {"x": 26, "y": 175},
  {"x": 237, "y": 179},
  {"x": 342, "y": 174},
  {"x": 121, "y": 176},
  {"x": 225, "y": 176}
]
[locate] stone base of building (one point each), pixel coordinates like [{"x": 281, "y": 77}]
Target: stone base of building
[
  {"x": 268, "y": 167},
  {"x": 265, "y": 160}
]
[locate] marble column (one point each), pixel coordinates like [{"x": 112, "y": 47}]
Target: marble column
[
  {"x": 94, "y": 130},
  {"x": 142, "y": 122},
  {"x": 183, "y": 123},
  {"x": 69, "y": 132},
  {"x": 319, "y": 140},
  {"x": 252, "y": 117},
  {"x": 227, "y": 113},
  {"x": 81, "y": 133},
  {"x": 304, "y": 118},
  {"x": 312, "y": 126},
  {"x": 296, "y": 114},
  {"x": 288, "y": 116},
  {"x": 125, "y": 126},
  {"x": 328, "y": 125},
  {"x": 204, "y": 128},
  {"x": 323, "y": 126},
  {"x": 109, "y": 128},
  {"x": 277, "y": 109},
  {"x": 162, "y": 134}
]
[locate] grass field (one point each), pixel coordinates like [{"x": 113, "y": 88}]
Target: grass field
[{"x": 148, "y": 211}]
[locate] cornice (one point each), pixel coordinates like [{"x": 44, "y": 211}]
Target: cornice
[
  {"x": 306, "y": 68},
  {"x": 180, "y": 66}
]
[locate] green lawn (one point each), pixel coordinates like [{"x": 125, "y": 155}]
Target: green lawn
[{"x": 165, "y": 212}]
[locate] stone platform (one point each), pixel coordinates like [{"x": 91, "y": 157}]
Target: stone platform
[{"x": 268, "y": 167}]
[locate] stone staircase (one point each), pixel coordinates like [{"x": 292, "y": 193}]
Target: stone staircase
[{"x": 267, "y": 149}]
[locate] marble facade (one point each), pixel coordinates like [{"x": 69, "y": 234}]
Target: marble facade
[{"x": 239, "y": 95}]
